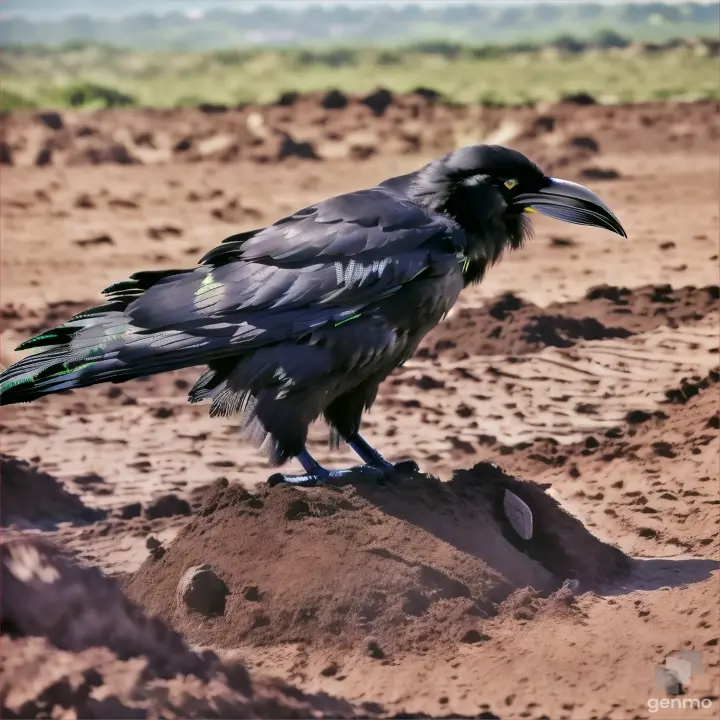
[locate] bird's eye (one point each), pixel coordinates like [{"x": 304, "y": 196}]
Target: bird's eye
[{"x": 510, "y": 184}]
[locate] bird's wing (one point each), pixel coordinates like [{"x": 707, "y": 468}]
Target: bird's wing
[
  {"x": 401, "y": 184},
  {"x": 322, "y": 265},
  {"x": 374, "y": 223}
]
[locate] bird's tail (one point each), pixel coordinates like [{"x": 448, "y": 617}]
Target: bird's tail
[{"x": 101, "y": 345}]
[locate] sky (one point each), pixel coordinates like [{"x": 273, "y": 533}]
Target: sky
[{"x": 107, "y": 8}]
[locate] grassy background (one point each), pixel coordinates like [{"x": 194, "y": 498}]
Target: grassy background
[{"x": 91, "y": 75}]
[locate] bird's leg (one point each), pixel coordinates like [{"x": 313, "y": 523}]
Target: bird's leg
[
  {"x": 372, "y": 457},
  {"x": 316, "y": 474}
]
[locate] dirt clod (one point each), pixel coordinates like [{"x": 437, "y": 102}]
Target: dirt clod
[
  {"x": 203, "y": 591},
  {"x": 167, "y": 506}
]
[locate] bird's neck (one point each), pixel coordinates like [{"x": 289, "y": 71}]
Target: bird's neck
[{"x": 486, "y": 244}]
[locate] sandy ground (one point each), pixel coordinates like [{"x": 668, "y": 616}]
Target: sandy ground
[{"x": 584, "y": 367}]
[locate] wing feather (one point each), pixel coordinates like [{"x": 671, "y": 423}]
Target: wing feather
[{"x": 320, "y": 265}]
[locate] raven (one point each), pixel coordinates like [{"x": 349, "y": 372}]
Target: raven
[{"x": 306, "y": 317}]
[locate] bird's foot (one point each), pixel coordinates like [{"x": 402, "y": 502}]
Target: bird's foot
[
  {"x": 323, "y": 476},
  {"x": 372, "y": 457},
  {"x": 406, "y": 467},
  {"x": 315, "y": 474}
]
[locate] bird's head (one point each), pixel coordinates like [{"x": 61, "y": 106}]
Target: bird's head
[{"x": 492, "y": 190}]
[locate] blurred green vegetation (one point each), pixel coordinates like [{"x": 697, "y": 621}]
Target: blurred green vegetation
[
  {"x": 608, "y": 66},
  {"x": 10, "y": 100}
]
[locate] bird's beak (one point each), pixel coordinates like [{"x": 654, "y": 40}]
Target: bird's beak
[{"x": 573, "y": 203}]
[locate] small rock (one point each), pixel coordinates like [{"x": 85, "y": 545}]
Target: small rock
[
  {"x": 5, "y": 154},
  {"x": 597, "y": 173},
  {"x": 130, "y": 511},
  {"x": 374, "y": 650},
  {"x": 473, "y": 636},
  {"x": 664, "y": 449},
  {"x": 506, "y": 305},
  {"x": 634, "y": 417},
  {"x": 585, "y": 142},
  {"x": 558, "y": 242},
  {"x": 53, "y": 120},
  {"x": 119, "y": 202},
  {"x": 544, "y": 123},
  {"x": 464, "y": 411},
  {"x": 162, "y": 231},
  {"x": 428, "y": 94},
  {"x": 163, "y": 413},
  {"x": 252, "y": 594},
  {"x": 220, "y": 146},
  {"x": 298, "y": 509},
  {"x": 580, "y": 98},
  {"x": 212, "y": 108},
  {"x": 335, "y": 100},
  {"x": 182, "y": 145},
  {"x": 429, "y": 383},
  {"x": 84, "y": 200},
  {"x": 234, "y": 212},
  {"x": 145, "y": 139},
  {"x": 299, "y": 149},
  {"x": 287, "y": 99},
  {"x": 378, "y": 101},
  {"x": 85, "y": 131},
  {"x": 119, "y": 154},
  {"x": 167, "y": 506},
  {"x": 90, "y": 479},
  {"x": 157, "y": 553},
  {"x": 98, "y": 240},
  {"x": 586, "y": 408},
  {"x": 362, "y": 152},
  {"x": 203, "y": 591},
  {"x": 44, "y": 157}
]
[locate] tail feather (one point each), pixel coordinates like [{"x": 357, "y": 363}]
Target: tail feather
[
  {"x": 101, "y": 344},
  {"x": 51, "y": 372}
]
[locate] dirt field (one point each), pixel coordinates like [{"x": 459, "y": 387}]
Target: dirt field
[{"x": 584, "y": 368}]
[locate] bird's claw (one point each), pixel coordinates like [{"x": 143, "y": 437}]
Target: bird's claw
[
  {"x": 326, "y": 477},
  {"x": 305, "y": 480},
  {"x": 406, "y": 467}
]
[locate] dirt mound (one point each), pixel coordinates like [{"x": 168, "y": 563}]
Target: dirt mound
[
  {"x": 30, "y": 496},
  {"x": 677, "y": 446},
  {"x": 390, "y": 567},
  {"x": 74, "y": 646},
  {"x": 563, "y": 137},
  {"x": 510, "y": 325}
]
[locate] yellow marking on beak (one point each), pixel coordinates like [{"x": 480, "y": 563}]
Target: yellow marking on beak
[
  {"x": 510, "y": 184},
  {"x": 530, "y": 210}
]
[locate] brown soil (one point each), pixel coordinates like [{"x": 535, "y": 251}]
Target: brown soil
[
  {"x": 584, "y": 368},
  {"x": 510, "y": 325},
  {"x": 32, "y": 497},
  {"x": 75, "y": 646},
  {"x": 423, "y": 562}
]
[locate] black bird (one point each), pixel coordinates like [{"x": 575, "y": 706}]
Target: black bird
[{"x": 308, "y": 316}]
